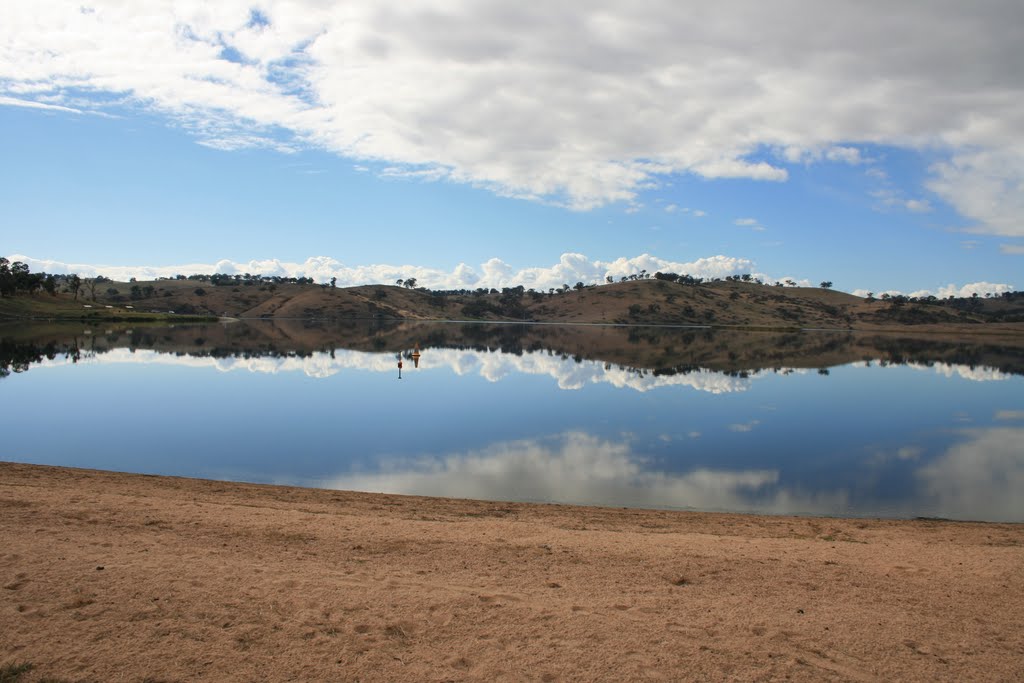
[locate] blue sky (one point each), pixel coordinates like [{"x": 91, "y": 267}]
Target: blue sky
[{"x": 487, "y": 144}]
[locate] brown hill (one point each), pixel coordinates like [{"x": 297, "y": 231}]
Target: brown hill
[{"x": 644, "y": 302}]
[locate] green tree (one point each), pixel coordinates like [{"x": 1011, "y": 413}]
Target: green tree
[
  {"x": 826, "y": 285},
  {"x": 410, "y": 283},
  {"x": 74, "y": 283},
  {"x": 6, "y": 279}
]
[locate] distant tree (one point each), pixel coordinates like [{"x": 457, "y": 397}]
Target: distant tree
[
  {"x": 90, "y": 284},
  {"x": 578, "y": 286},
  {"x": 6, "y": 278},
  {"x": 199, "y": 291},
  {"x": 826, "y": 285},
  {"x": 50, "y": 285},
  {"x": 399, "y": 282},
  {"x": 112, "y": 291},
  {"x": 74, "y": 283},
  {"x": 870, "y": 297},
  {"x": 334, "y": 282},
  {"x": 21, "y": 276},
  {"x": 410, "y": 283},
  {"x": 609, "y": 279}
]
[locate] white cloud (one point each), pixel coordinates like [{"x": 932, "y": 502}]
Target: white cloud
[
  {"x": 979, "y": 288},
  {"x": 1012, "y": 248},
  {"x": 889, "y": 198},
  {"x": 970, "y": 289},
  {"x": 30, "y": 104},
  {"x": 570, "y": 269},
  {"x": 986, "y": 186},
  {"x": 751, "y": 223},
  {"x": 541, "y": 101}
]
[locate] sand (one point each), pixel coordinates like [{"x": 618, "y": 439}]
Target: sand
[{"x": 116, "y": 577}]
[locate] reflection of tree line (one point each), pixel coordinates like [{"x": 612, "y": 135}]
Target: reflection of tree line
[
  {"x": 924, "y": 352},
  {"x": 644, "y": 350},
  {"x": 19, "y": 357}
]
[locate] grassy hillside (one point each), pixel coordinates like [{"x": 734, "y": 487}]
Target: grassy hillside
[{"x": 723, "y": 303}]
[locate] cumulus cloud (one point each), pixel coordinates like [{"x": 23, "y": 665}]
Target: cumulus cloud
[
  {"x": 570, "y": 269},
  {"x": 970, "y": 289},
  {"x": 540, "y": 101},
  {"x": 986, "y": 186}
]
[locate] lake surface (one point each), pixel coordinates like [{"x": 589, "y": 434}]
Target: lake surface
[{"x": 817, "y": 423}]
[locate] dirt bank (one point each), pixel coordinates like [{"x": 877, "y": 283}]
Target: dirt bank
[{"x": 114, "y": 577}]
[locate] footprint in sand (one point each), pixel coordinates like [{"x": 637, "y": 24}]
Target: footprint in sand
[{"x": 19, "y": 581}]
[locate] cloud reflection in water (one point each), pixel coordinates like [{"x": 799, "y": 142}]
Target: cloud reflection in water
[
  {"x": 579, "y": 468},
  {"x": 981, "y": 477}
]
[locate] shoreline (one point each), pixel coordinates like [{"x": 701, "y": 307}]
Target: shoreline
[{"x": 109, "y": 576}]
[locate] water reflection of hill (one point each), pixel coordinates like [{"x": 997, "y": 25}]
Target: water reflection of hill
[{"x": 659, "y": 350}]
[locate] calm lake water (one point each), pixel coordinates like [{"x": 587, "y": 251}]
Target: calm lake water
[{"x": 818, "y": 423}]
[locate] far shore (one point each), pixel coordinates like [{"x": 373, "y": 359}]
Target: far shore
[{"x": 108, "y": 576}]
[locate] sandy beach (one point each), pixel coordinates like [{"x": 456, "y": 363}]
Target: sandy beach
[{"x": 116, "y": 577}]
